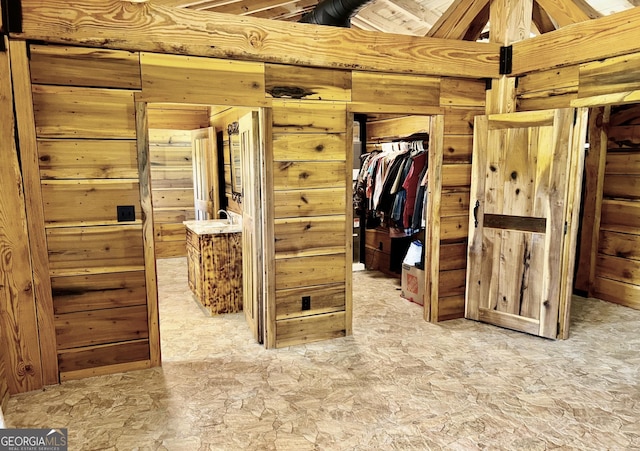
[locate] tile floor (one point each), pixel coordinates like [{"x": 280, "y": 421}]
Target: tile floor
[{"x": 397, "y": 383}]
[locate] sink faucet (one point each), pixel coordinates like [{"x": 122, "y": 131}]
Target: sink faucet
[{"x": 229, "y": 217}]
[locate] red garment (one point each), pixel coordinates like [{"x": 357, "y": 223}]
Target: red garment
[{"x": 410, "y": 185}]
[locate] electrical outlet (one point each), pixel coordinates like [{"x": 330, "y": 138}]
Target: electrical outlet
[
  {"x": 126, "y": 213},
  {"x": 306, "y": 302}
]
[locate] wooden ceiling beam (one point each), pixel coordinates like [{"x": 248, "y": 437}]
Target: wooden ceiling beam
[
  {"x": 478, "y": 25},
  {"x": 144, "y": 26},
  {"x": 243, "y": 8},
  {"x": 567, "y": 12},
  {"x": 457, "y": 19},
  {"x": 291, "y": 12},
  {"x": 614, "y": 35},
  {"x": 541, "y": 19},
  {"x": 191, "y": 3}
]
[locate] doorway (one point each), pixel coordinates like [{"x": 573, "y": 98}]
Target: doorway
[{"x": 192, "y": 151}]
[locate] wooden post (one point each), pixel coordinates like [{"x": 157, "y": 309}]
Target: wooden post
[
  {"x": 18, "y": 323},
  {"x": 510, "y": 22},
  {"x": 35, "y": 215},
  {"x": 144, "y": 169}
]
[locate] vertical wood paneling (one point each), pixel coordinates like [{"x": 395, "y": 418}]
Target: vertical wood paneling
[
  {"x": 18, "y": 323},
  {"x": 144, "y": 168},
  {"x": 29, "y": 159}
]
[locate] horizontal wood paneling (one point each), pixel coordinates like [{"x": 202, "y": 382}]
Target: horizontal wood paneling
[
  {"x": 324, "y": 299},
  {"x": 87, "y": 159},
  {"x": 101, "y": 326},
  {"x": 398, "y": 127},
  {"x": 453, "y": 256},
  {"x": 98, "y": 291},
  {"x": 621, "y": 212},
  {"x": 623, "y": 163},
  {"x": 68, "y": 112},
  {"x": 395, "y": 89},
  {"x": 619, "y": 244},
  {"x": 622, "y": 186},
  {"x": 305, "y": 175},
  {"x": 611, "y": 75},
  {"x": 309, "y": 147},
  {"x": 556, "y": 81},
  {"x": 309, "y": 271},
  {"x": 163, "y": 116},
  {"x": 171, "y": 177},
  {"x": 170, "y": 156},
  {"x": 452, "y": 283},
  {"x": 173, "y": 215},
  {"x": 454, "y": 204},
  {"x": 456, "y": 175},
  {"x": 454, "y": 228},
  {"x": 458, "y": 148},
  {"x": 87, "y": 250},
  {"x": 173, "y": 197},
  {"x": 190, "y": 79},
  {"x": 620, "y": 269},
  {"x": 90, "y": 67},
  {"x": 307, "y": 83},
  {"x": 91, "y": 202},
  {"x": 617, "y": 292},
  {"x": 459, "y": 121},
  {"x": 307, "y": 329},
  {"x": 309, "y": 236},
  {"x": 103, "y": 355},
  {"x": 296, "y": 116},
  {"x": 462, "y": 92},
  {"x": 311, "y": 202},
  {"x": 451, "y": 307}
]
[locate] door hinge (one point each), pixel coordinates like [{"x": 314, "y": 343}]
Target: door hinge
[
  {"x": 3, "y": 48},
  {"x": 488, "y": 84},
  {"x": 575, "y": 116},
  {"x": 506, "y": 60},
  {"x": 566, "y": 227},
  {"x": 12, "y": 16}
]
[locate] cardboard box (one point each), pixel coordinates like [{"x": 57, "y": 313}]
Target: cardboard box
[{"x": 412, "y": 284}]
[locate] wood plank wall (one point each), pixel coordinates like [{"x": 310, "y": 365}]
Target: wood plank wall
[
  {"x": 309, "y": 175},
  {"x": 617, "y": 268},
  {"x": 170, "y": 156},
  {"x": 19, "y": 347},
  {"x": 84, "y": 120},
  {"x": 86, "y": 135}
]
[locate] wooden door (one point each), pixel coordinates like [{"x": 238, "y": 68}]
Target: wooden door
[
  {"x": 205, "y": 173},
  {"x": 252, "y": 258},
  {"x": 525, "y": 196}
]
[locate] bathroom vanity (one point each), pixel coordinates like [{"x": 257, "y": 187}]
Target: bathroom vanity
[{"x": 214, "y": 256}]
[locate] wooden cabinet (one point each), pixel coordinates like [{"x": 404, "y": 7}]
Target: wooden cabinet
[{"x": 215, "y": 267}]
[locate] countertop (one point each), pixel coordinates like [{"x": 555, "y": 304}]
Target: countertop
[{"x": 212, "y": 226}]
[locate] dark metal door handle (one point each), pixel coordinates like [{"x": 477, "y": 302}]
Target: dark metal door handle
[{"x": 475, "y": 213}]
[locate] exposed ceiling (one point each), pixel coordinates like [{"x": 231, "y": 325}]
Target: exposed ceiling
[{"x": 452, "y": 19}]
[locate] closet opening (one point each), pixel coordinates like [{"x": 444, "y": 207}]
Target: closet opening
[{"x": 390, "y": 173}]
